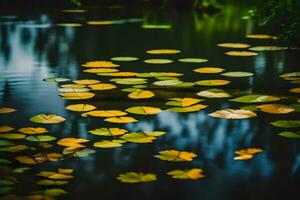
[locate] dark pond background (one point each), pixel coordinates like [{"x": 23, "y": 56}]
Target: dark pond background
[{"x": 32, "y": 48}]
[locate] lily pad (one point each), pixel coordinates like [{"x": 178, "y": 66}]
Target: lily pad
[
  {"x": 47, "y": 119},
  {"x": 241, "y": 53},
  {"x": 109, "y": 143},
  {"x": 167, "y": 82},
  {"x": 120, "y": 119},
  {"x": 56, "y": 80},
  {"x": 77, "y": 95},
  {"x": 193, "y": 60},
  {"x": 108, "y": 131},
  {"x": 193, "y": 108},
  {"x": 209, "y": 70},
  {"x": 268, "y": 48},
  {"x": 286, "y": 123},
  {"x": 143, "y": 110},
  {"x": 177, "y": 156},
  {"x": 40, "y": 138},
  {"x": 4, "y": 129},
  {"x": 214, "y": 93},
  {"x": 234, "y": 45},
  {"x": 102, "y": 86},
  {"x": 124, "y": 58},
  {"x": 290, "y": 134},
  {"x": 80, "y": 107},
  {"x": 237, "y": 74},
  {"x": 100, "y": 70},
  {"x": 105, "y": 113},
  {"x": 163, "y": 51},
  {"x": 106, "y": 64},
  {"x": 255, "y": 98},
  {"x": 233, "y": 114},
  {"x": 246, "y": 154},
  {"x": 213, "y": 82},
  {"x": 275, "y": 108},
  {"x": 193, "y": 174},
  {"x": 158, "y": 61},
  {"x": 5, "y": 110},
  {"x": 141, "y": 94},
  {"x": 135, "y": 177}
]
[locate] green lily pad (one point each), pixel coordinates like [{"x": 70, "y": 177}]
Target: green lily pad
[
  {"x": 286, "y": 123},
  {"x": 237, "y": 74},
  {"x": 124, "y": 58},
  {"x": 193, "y": 60},
  {"x": 255, "y": 99},
  {"x": 40, "y": 138},
  {"x": 290, "y": 134}
]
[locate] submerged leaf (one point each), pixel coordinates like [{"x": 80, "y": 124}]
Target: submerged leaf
[
  {"x": 233, "y": 114},
  {"x": 134, "y": 177},
  {"x": 174, "y": 155}
]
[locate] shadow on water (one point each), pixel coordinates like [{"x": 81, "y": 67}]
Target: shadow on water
[{"x": 33, "y": 48}]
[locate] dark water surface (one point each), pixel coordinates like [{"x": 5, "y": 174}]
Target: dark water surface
[{"x": 32, "y": 48}]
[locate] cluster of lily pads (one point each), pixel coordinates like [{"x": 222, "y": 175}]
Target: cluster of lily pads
[{"x": 138, "y": 86}]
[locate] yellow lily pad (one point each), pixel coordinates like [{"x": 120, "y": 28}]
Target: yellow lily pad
[
  {"x": 209, "y": 70},
  {"x": 213, "y": 93},
  {"x": 233, "y": 114},
  {"x": 102, "y": 86},
  {"x": 193, "y": 108},
  {"x": 109, "y": 143},
  {"x": 275, "y": 108},
  {"x": 143, "y": 110},
  {"x": 108, "y": 131},
  {"x": 142, "y": 137},
  {"x": 86, "y": 82},
  {"x": 119, "y": 74},
  {"x": 12, "y": 136},
  {"x": 193, "y": 174},
  {"x": 163, "y": 51},
  {"x": 241, "y": 53},
  {"x": 4, "y": 129},
  {"x": 47, "y": 119},
  {"x": 212, "y": 82},
  {"x": 33, "y": 131},
  {"x": 158, "y": 61},
  {"x": 134, "y": 177},
  {"x": 246, "y": 154},
  {"x": 120, "y": 119},
  {"x": 5, "y": 110},
  {"x": 177, "y": 156},
  {"x": 77, "y": 95},
  {"x": 107, "y": 64},
  {"x": 141, "y": 94},
  {"x": 182, "y": 102},
  {"x": 100, "y": 70},
  {"x": 261, "y": 36},
  {"x": 80, "y": 107},
  {"x": 72, "y": 142},
  {"x": 234, "y": 45},
  {"x": 106, "y": 113}
]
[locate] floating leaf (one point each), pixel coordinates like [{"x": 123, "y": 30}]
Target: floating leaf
[
  {"x": 174, "y": 155},
  {"x": 184, "y": 84},
  {"x": 261, "y": 36},
  {"x": 72, "y": 86},
  {"x": 158, "y": 61},
  {"x": 268, "y": 48},
  {"x": 33, "y": 131},
  {"x": 182, "y": 102},
  {"x": 209, "y": 70},
  {"x": 275, "y": 108},
  {"x": 73, "y": 90},
  {"x": 54, "y": 192},
  {"x": 4, "y": 161},
  {"x": 99, "y": 22},
  {"x": 163, "y": 51},
  {"x": 119, "y": 74},
  {"x": 40, "y": 138},
  {"x": 56, "y": 80},
  {"x": 69, "y": 24},
  {"x": 142, "y": 137},
  {"x": 77, "y": 95},
  {"x": 233, "y": 114},
  {"x": 143, "y": 110},
  {"x": 20, "y": 170},
  {"x": 241, "y": 53},
  {"x": 47, "y": 119},
  {"x": 12, "y": 136},
  {"x": 141, "y": 94},
  {"x": 193, "y": 60},
  {"x": 237, "y": 74},
  {"x": 129, "y": 81},
  {"x": 156, "y": 26},
  {"x": 286, "y": 123},
  {"x": 158, "y": 74},
  {"x": 213, "y": 93},
  {"x": 108, "y": 131},
  {"x": 109, "y": 143},
  {"x": 167, "y": 82},
  {"x": 295, "y": 90},
  {"x": 13, "y": 149},
  {"x": 124, "y": 58},
  {"x": 212, "y": 82},
  {"x": 74, "y": 11},
  {"x": 234, "y": 45},
  {"x": 188, "y": 108},
  {"x": 106, "y": 113},
  {"x": 290, "y": 134},
  {"x": 86, "y": 82},
  {"x": 255, "y": 98},
  {"x": 193, "y": 174},
  {"x": 5, "y": 110},
  {"x": 80, "y": 107},
  {"x": 134, "y": 177},
  {"x": 290, "y": 75},
  {"x": 246, "y": 154},
  {"x": 51, "y": 182},
  {"x": 102, "y": 86},
  {"x": 100, "y": 64},
  {"x": 5, "y": 128},
  {"x": 72, "y": 142},
  {"x": 120, "y": 119},
  {"x": 100, "y": 70}
]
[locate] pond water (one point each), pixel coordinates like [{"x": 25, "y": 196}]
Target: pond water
[{"x": 33, "y": 47}]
